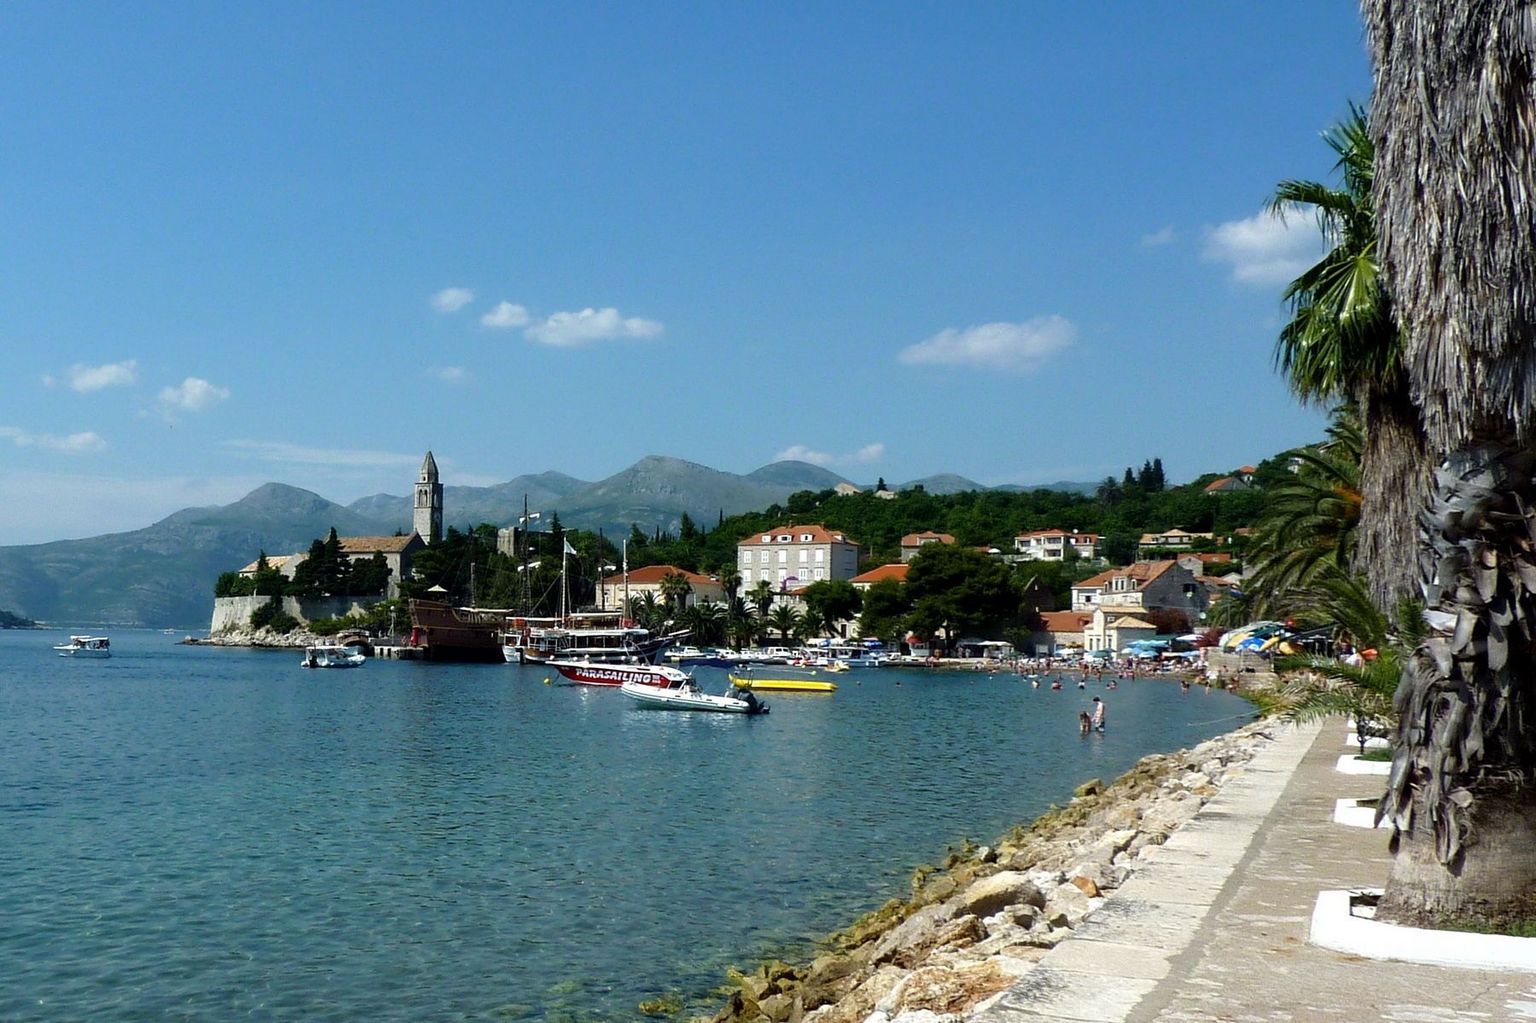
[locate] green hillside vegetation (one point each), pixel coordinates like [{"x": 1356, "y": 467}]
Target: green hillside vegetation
[
  {"x": 1120, "y": 511},
  {"x": 12, "y": 620}
]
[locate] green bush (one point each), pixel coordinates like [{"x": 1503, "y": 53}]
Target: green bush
[{"x": 272, "y": 616}]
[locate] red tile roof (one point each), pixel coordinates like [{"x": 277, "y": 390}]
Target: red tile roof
[
  {"x": 1066, "y": 621},
  {"x": 652, "y": 575},
  {"x": 916, "y": 539},
  {"x": 1093, "y": 537},
  {"x": 1143, "y": 572},
  {"x": 818, "y": 534},
  {"x": 375, "y": 544},
  {"x": 874, "y": 575}
]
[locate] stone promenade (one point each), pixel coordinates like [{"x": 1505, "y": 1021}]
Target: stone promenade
[{"x": 1214, "y": 927}]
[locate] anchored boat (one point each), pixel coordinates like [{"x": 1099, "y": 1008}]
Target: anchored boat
[
  {"x": 596, "y": 673},
  {"x": 783, "y": 685},
  {"x": 85, "y": 646},
  {"x": 686, "y": 695},
  {"x": 331, "y": 656}
]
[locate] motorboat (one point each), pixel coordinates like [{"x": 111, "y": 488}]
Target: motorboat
[
  {"x": 85, "y": 646},
  {"x": 783, "y": 685},
  {"x": 686, "y": 695},
  {"x": 599, "y": 673},
  {"x": 331, "y": 656}
]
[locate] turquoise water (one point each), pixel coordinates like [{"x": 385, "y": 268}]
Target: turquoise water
[{"x": 196, "y": 833}]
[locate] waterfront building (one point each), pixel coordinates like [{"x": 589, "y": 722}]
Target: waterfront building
[
  {"x": 1061, "y": 630},
  {"x": 427, "y": 512},
  {"x": 703, "y": 589},
  {"x": 1144, "y": 586},
  {"x": 792, "y": 557},
  {"x": 1053, "y": 545},
  {"x": 914, "y": 542}
]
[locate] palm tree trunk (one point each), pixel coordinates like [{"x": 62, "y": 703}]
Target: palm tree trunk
[
  {"x": 1454, "y": 120},
  {"x": 1394, "y": 488},
  {"x": 1493, "y": 889},
  {"x": 1460, "y": 796}
]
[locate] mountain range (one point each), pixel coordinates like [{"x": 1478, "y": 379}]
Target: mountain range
[{"x": 163, "y": 574}]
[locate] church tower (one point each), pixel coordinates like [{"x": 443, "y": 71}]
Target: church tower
[{"x": 427, "y": 518}]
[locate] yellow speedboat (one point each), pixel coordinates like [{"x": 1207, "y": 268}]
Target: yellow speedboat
[{"x": 784, "y": 685}]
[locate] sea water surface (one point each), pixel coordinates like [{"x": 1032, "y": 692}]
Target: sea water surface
[{"x": 194, "y": 833}]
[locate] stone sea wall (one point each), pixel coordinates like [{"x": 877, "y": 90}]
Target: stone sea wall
[
  {"x": 976, "y": 925},
  {"x": 233, "y": 614}
]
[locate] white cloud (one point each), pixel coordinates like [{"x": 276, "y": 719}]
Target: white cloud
[
  {"x": 1265, "y": 249},
  {"x": 451, "y": 300},
  {"x": 194, "y": 394},
  {"x": 299, "y": 454},
  {"x": 570, "y": 330},
  {"x": 801, "y": 453},
  {"x": 1009, "y": 347},
  {"x": 1164, "y": 236},
  {"x": 85, "y": 379},
  {"x": 505, "y": 316},
  {"x": 87, "y": 442},
  {"x": 450, "y": 374}
]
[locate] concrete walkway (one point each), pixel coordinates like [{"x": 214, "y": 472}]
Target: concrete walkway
[{"x": 1214, "y": 927}]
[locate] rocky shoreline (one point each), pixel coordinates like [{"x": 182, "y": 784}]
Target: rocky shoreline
[
  {"x": 295, "y": 640},
  {"x": 980, "y": 922}
]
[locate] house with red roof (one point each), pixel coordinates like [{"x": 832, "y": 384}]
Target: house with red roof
[
  {"x": 864, "y": 580},
  {"x": 703, "y": 589},
  {"x": 1144, "y": 586},
  {"x": 792, "y": 557},
  {"x": 914, "y": 542},
  {"x": 1054, "y": 545}
]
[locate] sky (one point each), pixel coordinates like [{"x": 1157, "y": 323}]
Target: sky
[{"x": 1022, "y": 242}]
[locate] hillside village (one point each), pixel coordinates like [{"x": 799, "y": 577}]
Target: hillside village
[{"x": 1045, "y": 590}]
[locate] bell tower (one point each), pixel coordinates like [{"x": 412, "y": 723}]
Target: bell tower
[{"x": 427, "y": 516}]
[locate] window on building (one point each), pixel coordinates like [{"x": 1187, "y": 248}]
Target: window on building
[
  {"x": 762, "y": 557},
  {"x": 821, "y": 555},
  {"x": 782, "y": 574},
  {"x": 806, "y": 538},
  {"x": 746, "y": 557},
  {"x": 805, "y": 556},
  {"x": 783, "y": 538},
  {"x": 767, "y": 538},
  {"x": 821, "y": 573},
  {"x": 783, "y": 557},
  {"x": 746, "y": 576}
]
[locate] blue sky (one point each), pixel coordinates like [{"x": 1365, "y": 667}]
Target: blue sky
[{"x": 305, "y": 243}]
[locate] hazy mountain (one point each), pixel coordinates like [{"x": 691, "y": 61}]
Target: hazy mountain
[
  {"x": 1060, "y": 486},
  {"x": 943, "y": 483},
  {"x": 470, "y": 506},
  {"x": 164, "y": 574},
  {"x": 656, "y": 490},
  {"x": 796, "y": 476}
]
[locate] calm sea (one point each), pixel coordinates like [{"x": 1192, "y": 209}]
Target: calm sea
[{"x": 197, "y": 833}]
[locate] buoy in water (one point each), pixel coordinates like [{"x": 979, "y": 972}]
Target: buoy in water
[{"x": 546, "y": 680}]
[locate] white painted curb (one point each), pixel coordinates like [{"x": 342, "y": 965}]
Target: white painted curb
[
  {"x": 1349, "y": 812},
  {"x": 1350, "y": 763},
  {"x": 1335, "y": 927}
]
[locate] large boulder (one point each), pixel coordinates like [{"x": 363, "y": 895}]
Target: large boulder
[{"x": 990, "y": 894}]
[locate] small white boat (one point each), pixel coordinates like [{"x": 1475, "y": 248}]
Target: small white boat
[
  {"x": 331, "y": 657},
  {"x": 686, "y": 695},
  {"x": 85, "y": 646}
]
